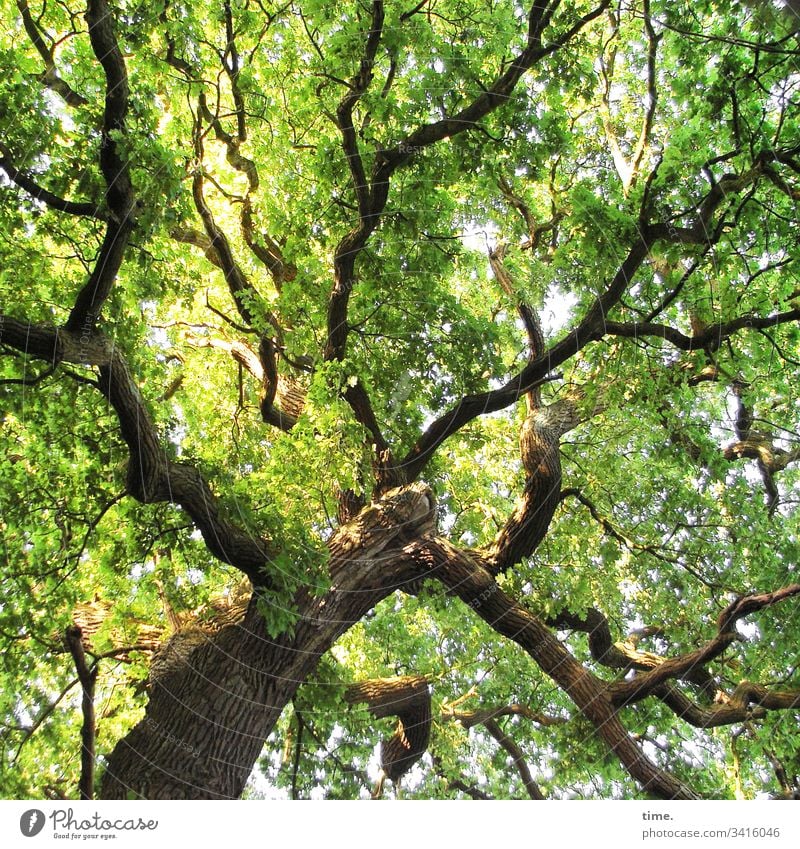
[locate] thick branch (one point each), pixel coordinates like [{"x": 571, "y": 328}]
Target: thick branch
[
  {"x": 643, "y": 685},
  {"x": 88, "y": 678},
  {"x": 119, "y": 191},
  {"x": 710, "y": 339},
  {"x": 758, "y": 447},
  {"x": 539, "y": 447},
  {"x": 409, "y": 699},
  {"x": 622, "y": 655},
  {"x": 151, "y": 476},
  {"x": 595, "y": 625},
  {"x": 734, "y": 709},
  {"x": 190, "y": 236},
  {"x": 463, "y": 575},
  {"x": 232, "y": 68}
]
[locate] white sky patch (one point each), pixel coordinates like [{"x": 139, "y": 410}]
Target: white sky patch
[{"x": 557, "y": 311}]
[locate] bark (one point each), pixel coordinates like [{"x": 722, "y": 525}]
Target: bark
[
  {"x": 409, "y": 699},
  {"x": 88, "y": 678},
  {"x": 473, "y": 583},
  {"x": 119, "y": 190},
  {"x": 208, "y": 715},
  {"x": 539, "y": 448}
]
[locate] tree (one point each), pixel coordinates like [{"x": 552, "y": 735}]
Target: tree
[{"x": 421, "y": 363}]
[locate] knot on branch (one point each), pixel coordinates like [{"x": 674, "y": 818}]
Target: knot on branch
[
  {"x": 409, "y": 699},
  {"x": 401, "y": 515}
]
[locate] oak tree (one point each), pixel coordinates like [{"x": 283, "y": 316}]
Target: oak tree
[{"x": 399, "y": 396}]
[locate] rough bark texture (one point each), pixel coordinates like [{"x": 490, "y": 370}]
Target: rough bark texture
[
  {"x": 201, "y": 741},
  {"x": 408, "y": 698}
]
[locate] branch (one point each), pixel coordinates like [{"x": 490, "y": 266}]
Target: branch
[
  {"x": 190, "y": 236},
  {"x": 263, "y": 367},
  {"x": 232, "y": 68},
  {"x": 372, "y": 194},
  {"x": 171, "y": 58},
  {"x": 758, "y": 447},
  {"x": 232, "y": 154},
  {"x": 591, "y": 328},
  {"x": 239, "y": 351},
  {"x": 488, "y": 718},
  {"x": 38, "y": 193},
  {"x": 530, "y": 520},
  {"x": 710, "y": 339},
  {"x": 238, "y": 284},
  {"x": 50, "y": 77},
  {"x": 218, "y": 250},
  {"x": 527, "y": 314},
  {"x": 88, "y": 679},
  {"x": 282, "y": 399},
  {"x": 624, "y": 540},
  {"x": 298, "y": 751},
  {"x": 152, "y": 476},
  {"x": 601, "y": 644},
  {"x": 30, "y": 730},
  {"x": 623, "y": 655},
  {"x": 476, "y": 717},
  {"x": 269, "y": 254},
  {"x": 472, "y": 582},
  {"x": 535, "y": 231},
  {"x": 747, "y": 604},
  {"x": 409, "y": 699},
  {"x": 494, "y": 95},
  {"x": 119, "y": 191},
  {"x": 703, "y": 231},
  {"x": 469, "y": 789},
  {"x": 517, "y": 757},
  {"x": 642, "y": 686},
  {"x": 735, "y": 708},
  {"x": 344, "y": 112}
]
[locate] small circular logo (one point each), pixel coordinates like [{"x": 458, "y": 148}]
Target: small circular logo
[{"x": 31, "y": 822}]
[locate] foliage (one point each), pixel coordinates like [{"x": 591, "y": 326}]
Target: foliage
[{"x": 652, "y": 143}]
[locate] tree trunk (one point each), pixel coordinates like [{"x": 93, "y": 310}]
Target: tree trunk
[{"x": 208, "y": 717}]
